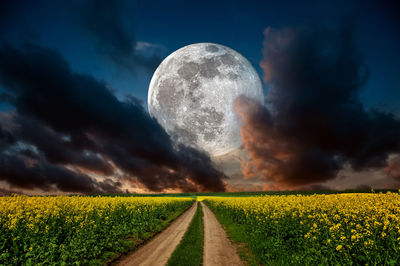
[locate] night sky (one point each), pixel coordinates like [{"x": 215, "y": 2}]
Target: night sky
[{"x": 74, "y": 78}]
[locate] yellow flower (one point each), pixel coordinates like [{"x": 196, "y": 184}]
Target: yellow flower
[{"x": 338, "y": 248}]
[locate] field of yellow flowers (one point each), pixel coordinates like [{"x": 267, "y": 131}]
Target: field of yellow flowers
[
  {"x": 79, "y": 230},
  {"x": 331, "y": 229}
]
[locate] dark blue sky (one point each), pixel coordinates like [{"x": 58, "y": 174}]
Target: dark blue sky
[{"x": 169, "y": 25}]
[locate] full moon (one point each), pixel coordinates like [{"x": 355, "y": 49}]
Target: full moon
[{"x": 191, "y": 95}]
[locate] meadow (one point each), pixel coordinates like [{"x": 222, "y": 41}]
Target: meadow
[
  {"x": 189, "y": 252},
  {"x": 79, "y": 230},
  {"x": 348, "y": 228},
  {"x": 266, "y": 228}
]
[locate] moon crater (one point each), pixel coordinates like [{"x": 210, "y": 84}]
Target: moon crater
[{"x": 191, "y": 95}]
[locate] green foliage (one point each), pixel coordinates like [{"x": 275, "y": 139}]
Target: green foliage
[
  {"x": 189, "y": 252},
  {"x": 79, "y": 230},
  {"x": 341, "y": 229}
]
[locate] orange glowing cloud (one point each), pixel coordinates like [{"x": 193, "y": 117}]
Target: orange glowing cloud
[
  {"x": 267, "y": 152},
  {"x": 393, "y": 169}
]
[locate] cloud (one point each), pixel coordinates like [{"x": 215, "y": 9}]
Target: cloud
[
  {"x": 314, "y": 122},
  {"x": 393, "y": 168},
  {"x": 109, "y": 23},
  {"x": 363, "y": 187},
  {"x": 68, "y": 126},
  {"x": 43, "y": 175},
  {"x": 7, "y": 192}
]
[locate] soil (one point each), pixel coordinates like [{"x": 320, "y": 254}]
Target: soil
[
  {"x": 161, "y": 247},
  {"x": 218, "y": 250}
]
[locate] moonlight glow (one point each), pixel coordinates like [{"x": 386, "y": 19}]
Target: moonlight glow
[{"x": 191, "y": 95}]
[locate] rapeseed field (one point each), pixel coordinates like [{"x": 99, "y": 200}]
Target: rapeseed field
[
  {"x": 76, "y": 230},
  {"x": 354, "y": 228}
]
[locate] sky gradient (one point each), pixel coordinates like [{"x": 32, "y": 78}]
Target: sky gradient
[{"x": 74, "y": 77}]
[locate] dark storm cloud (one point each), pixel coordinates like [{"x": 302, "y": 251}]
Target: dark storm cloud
[
  {"x": 108, "y": 23},
  {"x": 17, "y": 172},
  {"x": 315, "y": 122},
  {"x": 393, "y": 168},
  {"x": 6, "y": 139},
  {"x": 314, "y": 187},
  {"x": 23, "y": 168},
  {"x": 363, "y": 187},
  {"x": 8, "y": 192},
  {"x": 67, "y": 125},
  {"x": 57, "y": 148}
]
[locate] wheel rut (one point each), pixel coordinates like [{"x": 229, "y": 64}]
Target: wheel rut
[
  {"x": 218, "y": 250},
  {"x": 160, "y": 248}
]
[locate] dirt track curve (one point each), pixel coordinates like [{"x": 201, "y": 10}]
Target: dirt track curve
[
  {"x": 159, "y": 250},
  {"x": 218, "y": 250}
]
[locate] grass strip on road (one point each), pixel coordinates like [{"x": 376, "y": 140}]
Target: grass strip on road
[{"x": 189, "y": 252}]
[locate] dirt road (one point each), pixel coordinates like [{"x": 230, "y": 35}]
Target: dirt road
[
  {"x": 159, "y": 249},
  {"x": 218, "y": 250}
]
